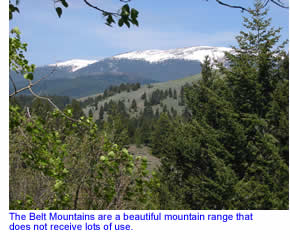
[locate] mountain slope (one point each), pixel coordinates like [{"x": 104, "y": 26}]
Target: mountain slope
[
  {"x": 78, "y": 77},
  {"x": 159, "y": 65},
  {"x": 128, "y": 97},
  {"x": 85, "y": 85},
  {"x": 160, "y": 71}
]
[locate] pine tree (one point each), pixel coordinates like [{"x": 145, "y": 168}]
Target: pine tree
[
  {"x": 117, "y": 126},
  {"x": 157, "y": 114},
  {"x": 170, "y": 93},
  {"x": 101, "y": 113},
  {"x": 231, "y": 153},
  {"x": 254, "y": 78},
  {"x": 144, "y": 97},
  {"x": 181, "y": 103},
  {"x": 160, "y": 135},
  {"x": 174, "y": 94},
  {"x": 278, "y": 116},
  {"x": 254, "y": 64},
  {"x": 206, "y": 72},
  {"x": 134, "y": 105},
  {"x": 76, "y": 109}
]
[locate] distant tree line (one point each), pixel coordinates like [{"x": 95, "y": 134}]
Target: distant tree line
[{"x": 111, "y": 91}]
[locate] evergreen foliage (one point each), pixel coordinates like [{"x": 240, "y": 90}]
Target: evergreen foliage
[{"x": 228, "y": 150}]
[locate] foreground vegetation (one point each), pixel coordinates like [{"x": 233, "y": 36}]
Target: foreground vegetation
[{"x": 228, "y": 150}]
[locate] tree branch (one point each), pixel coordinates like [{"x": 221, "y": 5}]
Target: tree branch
[
  {"x": 276, "y": 2},
  {"x": 29, "y": 87},
  {"x": 78, "y": 190},
  {"x": 266, "y": 3},
  {"x": 52, "y": 103},
  {"x": 24, "y": 88},
  {"x": 231, "y": 6},
  {"x": 101, "y": 10},
  {"x": 30, "y": 83},
  {"x": 279, "y": 4}
]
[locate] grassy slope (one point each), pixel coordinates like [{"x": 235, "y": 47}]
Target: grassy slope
[{"x": 128, "y": 97}]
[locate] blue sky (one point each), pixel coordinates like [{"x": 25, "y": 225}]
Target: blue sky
[{"x": 81, "y": 32}]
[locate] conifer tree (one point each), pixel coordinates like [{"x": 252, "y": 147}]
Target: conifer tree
[
  {"x": 101, "y": 113},
  {"x": 231, "y": 153},
  {"x": 181, "y": 103},
  {"x": 254, "y": 63},
  {"x": 143, "y": 97},
  {"x": 279, "y": 118},
  {"x": 206, "y": 72},
  {"x": 254, "y": 78},
  {"x": 116, "y": 127},
  {"x": 160, "y": 135},
  {"x": 174, "y": 94},
  {"x": 76, "y": 109},
  {"x": 170, "y": 92},
  {"x": 157, "y": 114},
  {"x": 134, "y": 105}
]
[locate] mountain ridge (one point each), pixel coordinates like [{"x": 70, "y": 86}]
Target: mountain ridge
[
  {"x": 89, "y": 76},
  {"x": 153, "y": 55},
  {"x": 187, "y": 53}
]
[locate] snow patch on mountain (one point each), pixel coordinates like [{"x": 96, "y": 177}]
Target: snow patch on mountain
[
  {"x": 190, "y": 53},
  {"x": 74, "y": 64}
]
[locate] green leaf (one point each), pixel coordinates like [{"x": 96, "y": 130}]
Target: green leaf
[
  {"x": 58, "y": 11},
  {"x": 135, "y": 22},
  {"x": 64, "y": 3},
  {"x": 134, "y": 13},
  {"x": 15, "y": 30},
  {"x": 28, "y": 76},
  {"x": 125, "y": 11},
  {"x": 110, "y": 20},
  {"x": 126, "y": 8},
  {"x": 127, "y": 23},
  {"x": 120, "y": 22}
]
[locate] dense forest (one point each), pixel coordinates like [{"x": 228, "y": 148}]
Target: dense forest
[{"x": 229, "y": 149}]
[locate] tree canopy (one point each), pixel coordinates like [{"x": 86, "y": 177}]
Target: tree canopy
[{"x": 229, "y": 150}]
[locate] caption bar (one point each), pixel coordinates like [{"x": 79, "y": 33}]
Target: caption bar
[{"x": 81, "y": 221}]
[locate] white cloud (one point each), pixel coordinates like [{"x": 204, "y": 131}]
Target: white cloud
[{"x": 140, "y": 39}]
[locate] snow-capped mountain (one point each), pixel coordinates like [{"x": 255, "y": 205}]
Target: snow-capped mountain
[
  {"x": 158, "y": 65},
  {"x": 74, "y": 64},
  {"x": 79, "y": 77},
  {"x": 189, "y": 53}
]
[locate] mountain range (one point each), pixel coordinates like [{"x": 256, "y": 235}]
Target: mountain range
[{"x": 79, "y": 77}]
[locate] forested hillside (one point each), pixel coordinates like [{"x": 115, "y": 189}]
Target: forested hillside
[
  {"x": 159, "y": 97},
  {"x": 220, "y": 140}
]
